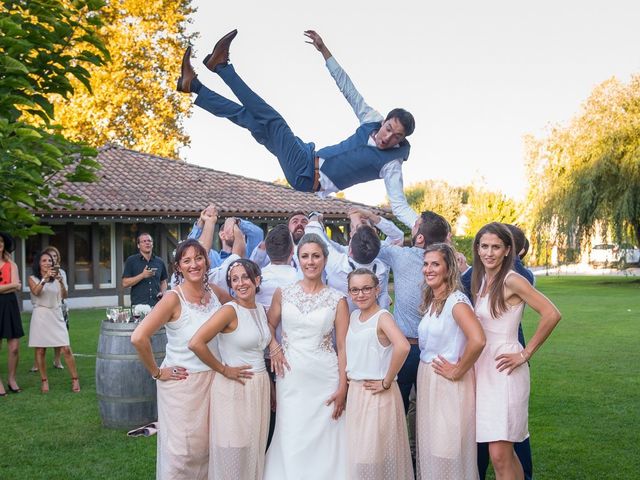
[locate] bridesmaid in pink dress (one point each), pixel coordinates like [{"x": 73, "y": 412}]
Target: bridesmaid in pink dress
[{"x": 502, "y": 371}]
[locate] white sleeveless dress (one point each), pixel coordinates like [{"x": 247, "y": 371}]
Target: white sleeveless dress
[{"x": 307, "y": 443}]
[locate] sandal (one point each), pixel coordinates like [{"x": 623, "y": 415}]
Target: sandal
[
  {"x": 14, "y": 390},
  {"x": 59, "y": 366},
  {"x": 44, "y": 388},
  {"x": 75, "y": 384}
]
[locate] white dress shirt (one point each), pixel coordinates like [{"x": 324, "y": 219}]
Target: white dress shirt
[
  {"x": 391, "y": 172},
  {"x": 340, "y": 265},
  {"x": 275, "y": 276}
]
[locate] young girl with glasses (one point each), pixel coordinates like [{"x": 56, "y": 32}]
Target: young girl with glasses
[{"x": 377, "y": 439}]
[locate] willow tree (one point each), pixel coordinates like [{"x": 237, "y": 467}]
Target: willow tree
[
  {"x": 587, "y": 173},
  {"x": 134, "y": 102}
]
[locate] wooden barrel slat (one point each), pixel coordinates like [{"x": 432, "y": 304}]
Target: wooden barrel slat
[{"x": 126, "y": 392}]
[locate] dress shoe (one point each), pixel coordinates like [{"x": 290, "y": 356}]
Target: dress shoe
[
  {"x": 220, "y": 53},
  {"x": 187, "y": 73}
]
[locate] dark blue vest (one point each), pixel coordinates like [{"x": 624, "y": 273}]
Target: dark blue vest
[{"x": 353, "y": 161}]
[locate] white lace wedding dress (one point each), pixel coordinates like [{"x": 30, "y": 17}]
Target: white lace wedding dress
[{"x": 307, "y": 443}]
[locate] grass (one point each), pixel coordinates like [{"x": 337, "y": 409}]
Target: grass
[{"x": 584, "y": 414}]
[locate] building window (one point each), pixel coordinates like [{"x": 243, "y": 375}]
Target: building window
[
  {"x": 82, "y": 252},
  {"x": 107, "y": 241}
]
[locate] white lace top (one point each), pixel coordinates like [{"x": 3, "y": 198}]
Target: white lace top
[
  {"x": 440, "y": 334},
  {"x": 308, "y": 318},
  {"x": 180, "y": 331}
]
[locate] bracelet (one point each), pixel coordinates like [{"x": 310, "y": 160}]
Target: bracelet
[
  {"x": 158, "y": 375},
  {"x": 275, "y": 351},
  {"x": 526, "y": 359},
  {"x": 382, "y": 382}
]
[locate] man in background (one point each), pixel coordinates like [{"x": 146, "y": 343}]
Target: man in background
[{"x": 145, "y": 273}]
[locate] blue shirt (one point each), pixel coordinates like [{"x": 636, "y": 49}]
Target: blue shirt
[
  {"x": 251, "y": 231},
  {"x": 406, "y": 263}
]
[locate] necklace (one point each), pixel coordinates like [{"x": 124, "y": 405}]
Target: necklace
[{"x": 202, "y": 297}]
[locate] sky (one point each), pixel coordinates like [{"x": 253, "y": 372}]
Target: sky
[{"x": 477, "y": 76}]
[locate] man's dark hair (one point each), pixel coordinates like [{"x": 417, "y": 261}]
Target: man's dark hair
[
  {"x": 293, "y": 214},
  {"x": 520, "y": 242},
  {"x": 434, "y": 228},
  {"x": 279, "y": 243},
  {"x": 365, "y": 244},
  {"x": 405, "y": 118}
]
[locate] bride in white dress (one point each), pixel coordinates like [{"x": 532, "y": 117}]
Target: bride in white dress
[{"x": 309, "y": 441}]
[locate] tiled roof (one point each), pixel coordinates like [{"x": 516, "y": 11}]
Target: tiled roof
[{"x": 136, "y": 183}]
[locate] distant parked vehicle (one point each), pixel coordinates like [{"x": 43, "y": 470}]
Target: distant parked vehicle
[
  {"x": 628, "y": 255},
  {"x": 612, "y": 255}
]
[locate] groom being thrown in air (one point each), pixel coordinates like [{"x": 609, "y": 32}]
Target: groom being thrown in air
[{"x": 376, "y": 150}]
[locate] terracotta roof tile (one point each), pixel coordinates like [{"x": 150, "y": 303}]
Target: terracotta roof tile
[{"x": 141, "y": 184}]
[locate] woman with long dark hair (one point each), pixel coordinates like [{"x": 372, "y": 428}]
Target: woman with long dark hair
[
  {"x": 47, "y": 328},
  {"x": 502, "y": 370}
]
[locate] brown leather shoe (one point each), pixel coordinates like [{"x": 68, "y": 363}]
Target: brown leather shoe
[
  {"x": 220, "y": 53},
  {"x": 187, "y": 73}
]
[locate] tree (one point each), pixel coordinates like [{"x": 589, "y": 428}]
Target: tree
[
  {"x": 485, "y": 206},
  {"x": 587, "y": 173},
  {"x": 134, "y": 101},
  {"x": 44, "y": 46},
  {"x": 437, "y": 196}
]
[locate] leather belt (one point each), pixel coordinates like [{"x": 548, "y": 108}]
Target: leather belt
[
  {"x": 316, "y": 174},
  {"x": 412, "y": 341}
]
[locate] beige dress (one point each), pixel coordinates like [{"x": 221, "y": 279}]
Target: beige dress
[
  {"x": 47, "y": 328},
  {"x": 240, "y": 413},
  {"x": 377, "y": 438},
  {"x": 502, "y": 401},
  {"x": 184, "y": 405},
  {"x": 445, "y": 423}
]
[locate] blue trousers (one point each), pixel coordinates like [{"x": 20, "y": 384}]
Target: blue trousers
[
  {"x": 408, "y": 375},
  {"x": 265, "y": 125}
]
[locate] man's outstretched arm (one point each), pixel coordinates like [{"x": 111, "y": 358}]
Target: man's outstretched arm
[{"x": 363, "y": 111}]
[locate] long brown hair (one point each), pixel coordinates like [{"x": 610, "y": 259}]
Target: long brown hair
[
  {"x": 497, "y": 302},
  {"x": 452, "y": 280}
]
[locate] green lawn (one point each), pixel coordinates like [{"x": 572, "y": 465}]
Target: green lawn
[{"x": 584, "y": 414}]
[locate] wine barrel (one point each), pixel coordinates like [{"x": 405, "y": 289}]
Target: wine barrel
[{"x": 125, "y": 390}]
